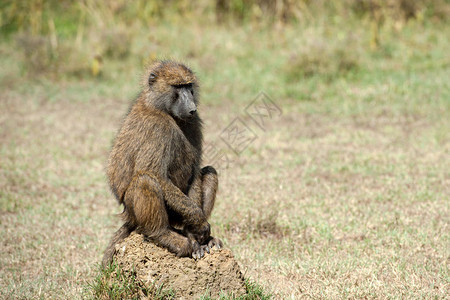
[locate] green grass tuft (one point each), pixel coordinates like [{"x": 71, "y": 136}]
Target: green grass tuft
[
  {"x": 254, "y": 292},
  {"x": 113, "y": 283}
]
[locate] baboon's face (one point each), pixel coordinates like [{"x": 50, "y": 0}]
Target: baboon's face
[
  {"x": 173, "y": 88},
  {"x": 182, "y": 102}
]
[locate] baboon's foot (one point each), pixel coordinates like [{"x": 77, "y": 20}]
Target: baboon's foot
[
  {"x": 214, "y": 242},
  {"x": 200, "y": 250}
]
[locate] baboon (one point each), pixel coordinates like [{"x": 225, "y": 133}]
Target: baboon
[{"x": 154, "y": 166}]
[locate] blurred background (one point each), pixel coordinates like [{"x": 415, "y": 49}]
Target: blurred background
[
  {"x": 284, "y": 41},
  {"x": 342, "y": 195}
]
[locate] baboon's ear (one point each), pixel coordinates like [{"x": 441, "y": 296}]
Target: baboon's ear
[{"x": 151, "y": 78}]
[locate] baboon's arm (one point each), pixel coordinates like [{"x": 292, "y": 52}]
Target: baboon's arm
[
  {"x": 195, "y": 191},
  {"x": 154, "y": 159},
  {"x": 182, "y": 204}
]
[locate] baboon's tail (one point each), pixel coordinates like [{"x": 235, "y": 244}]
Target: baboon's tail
[{"x": 118, "y": 236}]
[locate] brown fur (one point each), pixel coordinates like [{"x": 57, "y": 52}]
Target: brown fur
[{"x": 154, "y": 166}]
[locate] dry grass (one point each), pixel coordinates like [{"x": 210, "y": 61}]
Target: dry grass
[
  {"x": 362, "y": 211},
  {"x": 343, "y": 195}
]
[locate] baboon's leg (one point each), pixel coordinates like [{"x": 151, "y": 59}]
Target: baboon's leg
[
  {"x": 145, "y": 198},
  {"x": 203, "y": 194},
  {"x": 210, "y": 184}
]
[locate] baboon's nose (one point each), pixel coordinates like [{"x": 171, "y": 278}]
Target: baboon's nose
[{"x": 192, "y": 112}]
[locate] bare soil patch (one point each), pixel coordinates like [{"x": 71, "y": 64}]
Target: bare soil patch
[{"x": 215, "y": 274}]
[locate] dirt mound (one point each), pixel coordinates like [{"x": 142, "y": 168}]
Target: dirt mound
[{"x": 190, "y": 279}]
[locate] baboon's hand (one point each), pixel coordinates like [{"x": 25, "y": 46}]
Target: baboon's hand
[{"x": 199, "y": 233}]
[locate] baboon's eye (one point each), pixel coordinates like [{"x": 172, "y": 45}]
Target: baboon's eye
[
  {"x": 151, "y": 78},
  {"x": 183, "y": 86}
]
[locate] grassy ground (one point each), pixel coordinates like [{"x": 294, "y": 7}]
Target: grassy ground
[{"x": 345, "y": 194}]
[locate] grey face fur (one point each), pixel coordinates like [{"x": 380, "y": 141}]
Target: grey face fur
[{"x": 183, "y": 104}]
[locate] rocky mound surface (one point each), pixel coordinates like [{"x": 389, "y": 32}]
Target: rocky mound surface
[{"x": 215, "y": 274}]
